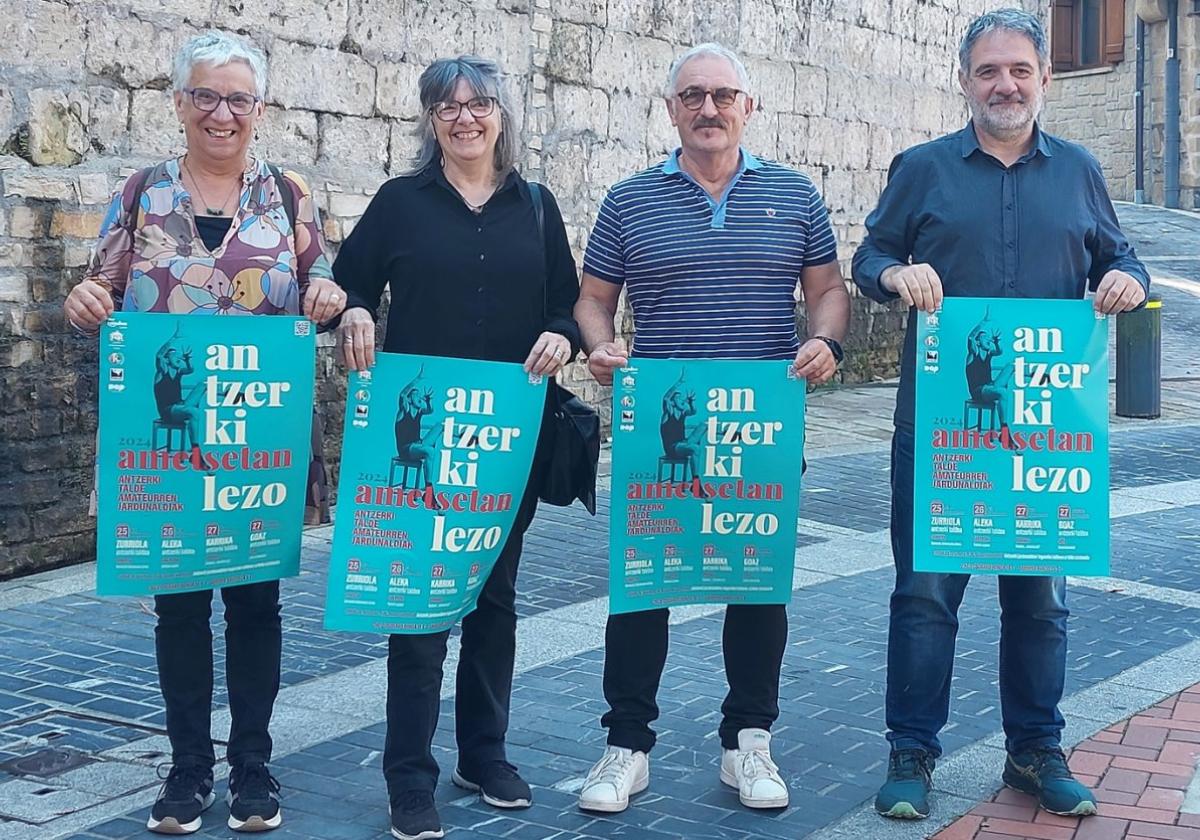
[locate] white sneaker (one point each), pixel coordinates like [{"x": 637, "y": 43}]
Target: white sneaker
[
  {"x": 613, "y": 779},
  {"x": 750, "y": 769}
]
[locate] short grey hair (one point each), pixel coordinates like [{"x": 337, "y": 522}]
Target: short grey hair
[
  {"x": 711, "y": 49},
  {"x": 1011, "y": 20},
  {"x": 437, "y": 84},
  {"x": 219, "y": 48}
]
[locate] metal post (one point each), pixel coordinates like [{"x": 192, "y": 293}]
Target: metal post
[
  {"x": 1139, "y": 117},
  {"x": 1139, "y": 361},
  {"x": 1171, "y": 139}
]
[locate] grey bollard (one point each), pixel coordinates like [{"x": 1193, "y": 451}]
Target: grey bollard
[{"x": 1139, "y": 361}]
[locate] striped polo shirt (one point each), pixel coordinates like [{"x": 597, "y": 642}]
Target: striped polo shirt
[{"x": 707, "y": 278}]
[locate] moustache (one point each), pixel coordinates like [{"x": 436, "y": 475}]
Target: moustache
[
  {"x": 707, "y": 122},
  {"x": 1007, "y": 100}
]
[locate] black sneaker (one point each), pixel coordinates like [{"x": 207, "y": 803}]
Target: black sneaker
[
  {"x": 905, "y": 794},
  {"x": 253, "y": 798},
  {"x": 186, "y": 793},
  {"x": 498, "y": 784},
  {"x": 415, "y": 817}
]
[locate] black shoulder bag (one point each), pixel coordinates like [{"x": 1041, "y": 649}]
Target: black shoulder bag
[{"x": 574, "y": 428}]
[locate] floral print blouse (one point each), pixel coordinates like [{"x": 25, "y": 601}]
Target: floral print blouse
[
  {"x": 262, "y": 267},
  {"x": 258, "y": 269}
]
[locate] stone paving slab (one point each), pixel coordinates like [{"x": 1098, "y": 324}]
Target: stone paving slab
[
  {"x": 829, "y": 739},
  {"x": 63, "y": 651},
  {"x": 1161, "y": 548}
]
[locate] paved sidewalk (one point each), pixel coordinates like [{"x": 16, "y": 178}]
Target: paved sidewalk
[
  {"x": 1144, "y": 774},
  {"x": 77, "y": 679},
  {"x": 81, "y": 728}
]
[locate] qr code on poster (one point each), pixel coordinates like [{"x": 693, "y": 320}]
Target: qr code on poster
[{"x": 303, "y": 326}]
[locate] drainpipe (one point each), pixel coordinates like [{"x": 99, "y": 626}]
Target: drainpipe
[
  {"x": 1139, "y": 118},
  {"x": 1171, "y": 152}
]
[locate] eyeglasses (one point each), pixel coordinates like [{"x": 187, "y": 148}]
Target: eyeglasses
[
  {"x": 480, "y": 107},
  {"x": 240, "y": 104},
  {"x": 693, "y": 97}
]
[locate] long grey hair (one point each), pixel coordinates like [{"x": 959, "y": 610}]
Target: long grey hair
[{"x": 437, "y": 84}]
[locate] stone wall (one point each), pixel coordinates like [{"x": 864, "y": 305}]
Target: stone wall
[
  {"x": 84, "y": 98},
  {"x": 1097, "y": 108}
]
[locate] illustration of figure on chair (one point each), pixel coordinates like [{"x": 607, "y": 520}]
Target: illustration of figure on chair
[
  {"x": 679, "y": 448},
  {"x": 176, "y": 413},
  {"x": 414, "y": 450},
  {"x": 989, "y": 391}
]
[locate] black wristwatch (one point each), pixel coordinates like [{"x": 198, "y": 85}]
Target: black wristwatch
[{"x": 834, "y": 347}]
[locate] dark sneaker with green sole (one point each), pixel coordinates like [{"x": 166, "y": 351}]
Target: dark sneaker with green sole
[
  {"x": 905, "y": 794},
  {"x": 1044, "y": 774}
]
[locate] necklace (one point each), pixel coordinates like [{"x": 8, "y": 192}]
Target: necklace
[
  {"x": 474, "y": 208},
  {"x": 208, "y": 209}
]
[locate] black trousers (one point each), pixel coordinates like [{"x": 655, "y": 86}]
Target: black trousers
[
  {"x": 253, "y": 643},
  {"x": 635, "y": 652},
  {"x": 484, "y": 679}
]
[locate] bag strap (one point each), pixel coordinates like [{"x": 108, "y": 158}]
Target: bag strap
[
  {"x": 286, "y": 193},
  {"x": 139, "y": 186},
  {"x": 539, "y": 213}
]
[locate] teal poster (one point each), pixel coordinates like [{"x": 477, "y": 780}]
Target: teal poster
[
  {"x": 705, "y": 483},
  {"x": 435, "y": 459},
  {"x": 1011, "y": 464},
  {"x": 204, "y": 444}
]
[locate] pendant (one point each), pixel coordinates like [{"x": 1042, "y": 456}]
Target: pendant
[{"x": 215, "y": 211}]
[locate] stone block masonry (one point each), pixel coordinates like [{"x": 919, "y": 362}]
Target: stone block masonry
[{"x": 84, "y": 98}]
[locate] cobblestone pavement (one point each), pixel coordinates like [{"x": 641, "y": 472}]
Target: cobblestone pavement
[
  {"x": 81, "y": 728},
  {"x": 77, "y": 676}
]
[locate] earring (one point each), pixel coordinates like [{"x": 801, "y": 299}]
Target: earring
[
  {"x": 256, "y": 133},
  {"x": 181, "y": 128}
]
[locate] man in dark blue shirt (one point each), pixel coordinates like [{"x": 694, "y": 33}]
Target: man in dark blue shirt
[{"x": 999, "y": 209}]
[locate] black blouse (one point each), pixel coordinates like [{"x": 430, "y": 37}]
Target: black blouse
[{"x": 463, "y": 284}]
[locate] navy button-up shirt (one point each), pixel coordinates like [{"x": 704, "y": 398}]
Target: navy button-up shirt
[{"x": 1041, "y": 228}]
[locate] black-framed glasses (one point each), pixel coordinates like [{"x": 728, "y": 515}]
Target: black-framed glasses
[
  {"x": 240, "y": 104},
  {"x": 480, "y": 107},
  {"x": 693, "y": 97}
]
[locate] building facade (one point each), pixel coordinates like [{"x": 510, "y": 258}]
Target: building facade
[
  {"x": 1095, "y": 97},
  {"x": 84, "y": 99}
]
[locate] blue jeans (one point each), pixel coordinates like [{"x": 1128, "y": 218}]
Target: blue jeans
[{"x": 923, "y": 626}]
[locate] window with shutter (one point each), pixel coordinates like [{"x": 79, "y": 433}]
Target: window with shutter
[{"x": 1086, "y": 34}]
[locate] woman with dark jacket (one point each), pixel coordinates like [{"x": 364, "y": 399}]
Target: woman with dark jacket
[{"x": 472, "y": 276}]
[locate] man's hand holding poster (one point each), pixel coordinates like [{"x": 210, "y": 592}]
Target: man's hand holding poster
[
  {"x": 1011, "y": 465},
  {"x": 706, "y": 483}
]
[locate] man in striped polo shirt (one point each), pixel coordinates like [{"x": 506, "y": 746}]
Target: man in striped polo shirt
[{"x": 710, "y": 245}]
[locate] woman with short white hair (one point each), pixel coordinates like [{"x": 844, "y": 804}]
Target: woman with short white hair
[{"x": 215, "y": 231}]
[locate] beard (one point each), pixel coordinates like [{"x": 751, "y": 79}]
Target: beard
[{"x": 1007, "y": 117}]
